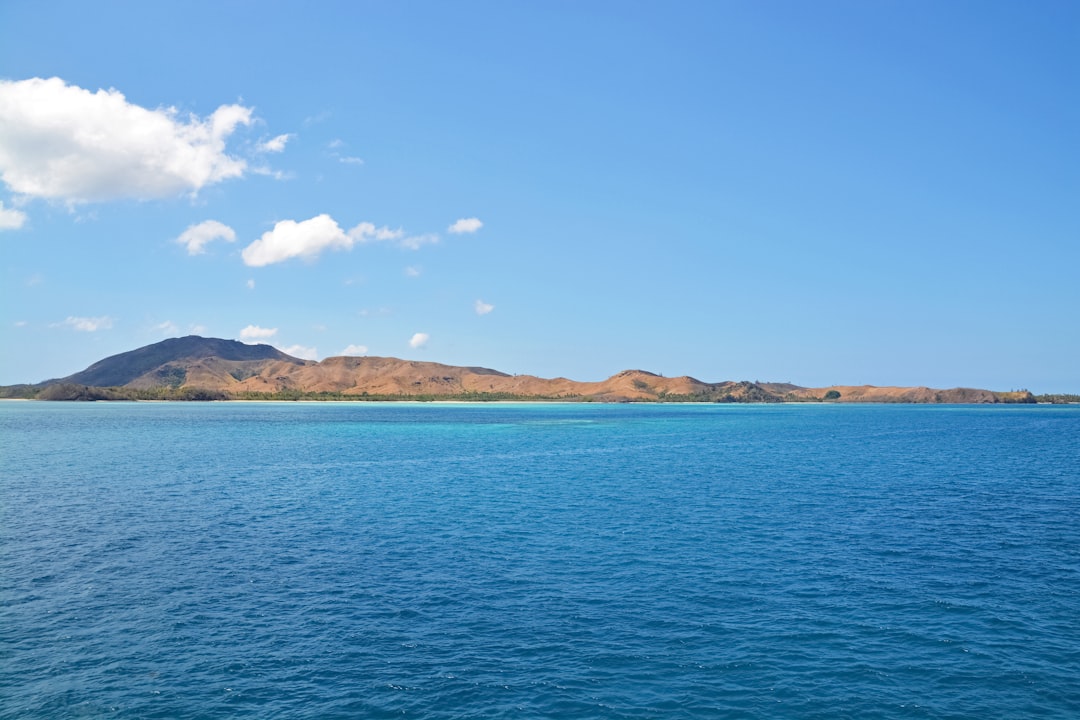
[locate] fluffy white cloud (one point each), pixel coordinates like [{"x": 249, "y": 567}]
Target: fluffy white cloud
[
  {"x": 355, "y": 350},
  {"x": 291, "y": 239},
  {"x": 197, "y": 236},
  {"x": 88, "y": 324},
  {"x": 307, "y": 239},
  {"x": 419, "y": 340},
  {"x": 465, "y": 225},
  {"x": 60, "y": 141},
  {"x": 483, "y": 308},
  {"x": 11, "y": 219},
  {"x": 254, "y": 332},
  {"x": 275, "y": 145},
  {"x": 300, "y": 351}
]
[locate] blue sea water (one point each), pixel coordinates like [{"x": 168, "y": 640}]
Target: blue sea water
[{"x": 293, "y": 560}]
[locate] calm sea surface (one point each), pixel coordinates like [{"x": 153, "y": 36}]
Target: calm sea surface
[{"x": 596, "y": 561}]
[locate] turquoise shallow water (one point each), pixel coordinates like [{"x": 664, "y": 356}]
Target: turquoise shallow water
[{"x": 458, "y": 561}]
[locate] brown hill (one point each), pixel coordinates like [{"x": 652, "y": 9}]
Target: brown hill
[{"x": 208, "y": 367}]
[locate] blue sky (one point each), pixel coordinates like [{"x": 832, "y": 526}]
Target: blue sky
[{"x": 828, "y": 192}]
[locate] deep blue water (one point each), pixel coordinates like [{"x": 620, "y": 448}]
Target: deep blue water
[{"x": 596, "y": 561}]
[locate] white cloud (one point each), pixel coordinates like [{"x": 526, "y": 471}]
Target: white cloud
[
  {"x": 11, "y": 219},
  {"x": 197, "y": 330},
  {"x": 412, "y": 271},
  {"x": 483, "y": 308},
  {"x": 251, "y": 284},
  {"x": 254, "y": 332},
  {"x": 309, "y": 238},
  {"x": 291, "y": 239},
  {"x": 300, "y": 351},
  {"x": 21, "y": 323},
  {"x": 268, "y": 172},
  {"x": 465, "y": 225},
  {"x": 337, "y": 144},
  {"x": 419, "y": 340},
  {"x": 197, "y": 236},
  {"x": 366, "y": 232},
  {"x": 355, "y": 350},
  {"x": 167, "y": 328},
  {"x": 60, "y": 141},
  {"x": 87, "y": 324},
  {"x": 275, "y": 145}
]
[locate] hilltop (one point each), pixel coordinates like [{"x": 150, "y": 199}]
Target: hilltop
[{"x": 199, "y": 368}]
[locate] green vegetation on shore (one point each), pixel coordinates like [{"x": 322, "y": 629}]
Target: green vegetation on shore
[
  {"x": 733, "y": 393},
  {"x": 1057, "y": 398},
  {"x": 70, "y": 391},
  {"x": 75, "y": 392}
]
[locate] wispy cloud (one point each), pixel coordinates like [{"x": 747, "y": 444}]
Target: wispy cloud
[
  {"x": 196, "y": 237},
  {"x": 465, "y": 226},
  {"x": 66, "y": 143},
  {"x": 317, "y": 118},
  {"x": 10, "y": 218},
  {"x": 167, "y": 328},
  {"x": 415, "y": 242},
  {"x": 275, "y": 144},
  {"x": 419, "y": 340},
  {"x": 366, "y": 232},
  {"x": 355, "y": 350},
  {"x": 254, "y": 332},
  {"x": 483, "y": 308},
  {"x": 335, "y": 146},
  {"x": 87, "y": 324},
  {"x": 413, "y": 271},
  {"x": 250, "y": 284}
]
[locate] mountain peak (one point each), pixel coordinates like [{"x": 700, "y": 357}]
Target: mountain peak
[{"x": 123, "y": 368}]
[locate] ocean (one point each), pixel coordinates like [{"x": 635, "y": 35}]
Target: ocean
[{"x": 355, "y": 560}]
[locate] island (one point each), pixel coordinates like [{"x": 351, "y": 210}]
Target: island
[{"x": 198, "y": 368}]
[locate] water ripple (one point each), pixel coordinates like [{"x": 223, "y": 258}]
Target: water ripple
[{"x": 323, "y": 561}]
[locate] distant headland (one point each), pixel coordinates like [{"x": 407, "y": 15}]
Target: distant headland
[{"x": 198, "y": 368}]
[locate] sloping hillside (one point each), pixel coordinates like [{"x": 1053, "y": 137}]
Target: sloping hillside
[
  {"x": 208, "y": 368},
  {"x": 170, "y": 361}
]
